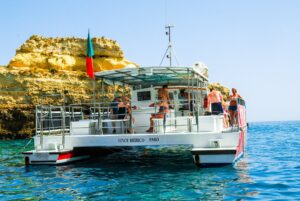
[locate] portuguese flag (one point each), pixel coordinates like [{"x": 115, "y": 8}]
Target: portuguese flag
[{"x": 89, "y": 58}]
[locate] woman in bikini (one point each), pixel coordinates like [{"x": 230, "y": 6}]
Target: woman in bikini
[
  {"x": 233, "y": 106},
  {"x": 163, "y": 108}
]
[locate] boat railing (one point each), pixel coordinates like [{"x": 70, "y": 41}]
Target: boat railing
[
  {"x": 56, "y": 120},
  {"x": 241, "y": 113},
  {"x": 240, "y": 121},
  {"x": 128, "y": 121},
  {"x": 99, "y": 119}
]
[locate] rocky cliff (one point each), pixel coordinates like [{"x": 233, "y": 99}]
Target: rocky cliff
[
  {"x": 52, "y": 71},
  {"x": 43, "y": 71},
  {"x": 56, "y": 54}
]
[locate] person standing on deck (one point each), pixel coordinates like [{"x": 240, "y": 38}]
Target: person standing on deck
[
  {"x": 233, "y": 106},
  {"x": 184, "y": 100},
  {"x": 226, "y": 118},
  {"x": 214, "y": 100},
  {"x": 114, "y": 109},
  {"x": 124, "y": 112}
]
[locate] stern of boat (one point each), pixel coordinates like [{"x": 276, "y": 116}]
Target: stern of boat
[{"x": 52, "y": 157}]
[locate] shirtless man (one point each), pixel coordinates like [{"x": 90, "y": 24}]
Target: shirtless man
[
  {"x": 215, "y": 99},
  {"x": 233, "y": 105}
]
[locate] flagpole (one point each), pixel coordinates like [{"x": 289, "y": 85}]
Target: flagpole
[
  {"x": 90, "y": 68},
  {"x": 94, "y": 96}
]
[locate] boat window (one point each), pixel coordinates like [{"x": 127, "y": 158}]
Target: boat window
[
  {"x": 144, "y": 95},
  {"x": 171, "y": 95}
]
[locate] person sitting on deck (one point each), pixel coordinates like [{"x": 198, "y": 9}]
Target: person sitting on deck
[
  {"x": 163, "y": 109},
  {"x": 233, "y": 106},
  {"x": 124, "y": 111},
  {"x": 215, "y": 99},
  {"x": 163, "y": 93}
]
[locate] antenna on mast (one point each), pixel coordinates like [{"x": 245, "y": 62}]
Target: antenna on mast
[{"x": 169, "y": 52}]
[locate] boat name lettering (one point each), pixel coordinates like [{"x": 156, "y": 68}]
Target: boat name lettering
[
  {"x": 123, "y": 140},
  {"x": 126, "y": 140},
  {"x": 154, "y": 139},
  {"x": 137, "y": 140}
]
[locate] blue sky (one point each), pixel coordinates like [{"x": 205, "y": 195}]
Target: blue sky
[{"x": 252, "y": 45}]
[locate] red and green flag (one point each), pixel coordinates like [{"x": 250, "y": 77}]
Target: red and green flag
[{"x": 89, "y": 58}]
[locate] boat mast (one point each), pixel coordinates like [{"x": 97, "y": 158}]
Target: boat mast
[
  {"x": 168, "y": 32},
  {"x": 168, "y": 53}
]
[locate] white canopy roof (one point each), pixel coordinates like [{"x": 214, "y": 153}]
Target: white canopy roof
[{"x": 155, "y": 76}]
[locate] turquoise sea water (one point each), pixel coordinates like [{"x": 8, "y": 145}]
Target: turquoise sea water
[{"x": 270, "y": 170}]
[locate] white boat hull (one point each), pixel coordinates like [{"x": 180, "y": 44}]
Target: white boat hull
[
  {"x": 52, "y": 157},
  {"x": 203, "y": 147}
]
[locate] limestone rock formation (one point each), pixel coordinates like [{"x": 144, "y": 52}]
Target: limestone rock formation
[
  {"x": 21, "y": 90},
  {"x": 50, "y": 71},
  {"x": 68, "y": 54}
]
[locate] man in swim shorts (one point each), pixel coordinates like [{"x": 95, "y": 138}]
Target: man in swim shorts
[{"x": 214, "y": 100}]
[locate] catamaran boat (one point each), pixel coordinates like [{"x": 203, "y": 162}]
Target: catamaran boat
[{"x": 74, "y": 132}]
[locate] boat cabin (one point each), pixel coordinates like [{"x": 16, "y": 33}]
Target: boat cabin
[
  {"x": 186, "y": 88},
  {"x": 150, "y": 116}
]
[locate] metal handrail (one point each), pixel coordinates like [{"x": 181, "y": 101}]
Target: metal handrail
[
  {"x": 62, "y": 116},
  {"x": 48, "y": 117}
]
